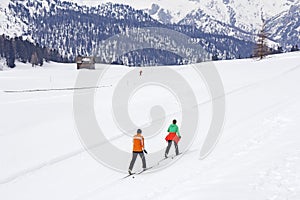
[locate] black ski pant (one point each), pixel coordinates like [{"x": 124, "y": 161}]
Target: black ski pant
[
  {"x": 134, "y": 155},
  {"x": 169, "y": 146}
]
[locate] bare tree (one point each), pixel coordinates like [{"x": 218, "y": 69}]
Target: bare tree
[
  {"x": 261, "y": 48},
  {"x": 34, "y": 59}
]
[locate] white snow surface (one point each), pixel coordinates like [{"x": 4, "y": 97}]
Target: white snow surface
[{"x": 257, "y": 157}]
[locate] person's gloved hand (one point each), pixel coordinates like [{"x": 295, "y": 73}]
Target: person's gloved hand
[{"x": 145, "y": 151}]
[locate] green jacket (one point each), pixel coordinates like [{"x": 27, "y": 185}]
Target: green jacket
[{"x": 173, "y": 128}]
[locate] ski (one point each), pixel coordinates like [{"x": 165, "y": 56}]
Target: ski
[
  {"x": 136, "y": 173},
  {"x": 140, "y": 172},
  {"x": 172, "y": 157},
  {"x": 128, "y": 175}
]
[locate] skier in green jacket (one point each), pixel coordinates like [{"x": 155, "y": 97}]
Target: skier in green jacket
[{"x": 174, "y": 136}]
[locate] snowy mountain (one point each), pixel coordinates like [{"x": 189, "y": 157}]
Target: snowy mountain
[
  {"x": 161, "y": 10},
  {"x": 10, "y": 24},
  {"x": 56, "y": 24},
  {"x": 242, "y": 14},
  {"x": 242, "y": 19},
  {"x": 225, "y": 29},
  {"x": 285, "y": 27},
  {"x": 245, "y": 15},
  {"x": 256, "y": 158}
]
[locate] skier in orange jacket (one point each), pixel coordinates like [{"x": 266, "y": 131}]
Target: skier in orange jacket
[{"x": 138, "y": 149}]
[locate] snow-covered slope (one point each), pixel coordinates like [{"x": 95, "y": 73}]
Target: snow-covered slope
[
  {"x": 162, "y": 10},
  {"x": 239, "y": 18},
  {"x": 246, "y": 11},
  {"x": 243, "y": 14},
  {"x": 257, "y": 157},
  {"x": 10, "y": 25},
  {"x": 286, "y": 26}
]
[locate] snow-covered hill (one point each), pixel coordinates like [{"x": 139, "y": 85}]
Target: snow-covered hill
[
  {"x": 242, "y": 14},
  {"x": 161, "y": 10},
  {"x": 286, "y": 26},
  {"x": 220, "y": 16},
  {"x": 257, "y": 157},
  {"x": 10, "y": 25},
  {"x": 243, "y": 11},
  {"x": 225, "y": 29},
  {"x": 80, "y": 30}
]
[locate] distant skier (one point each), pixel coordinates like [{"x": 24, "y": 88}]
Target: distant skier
[
  {"x": 138, "y": 149},
  {"x": 174, "y": 136},
  {"x": 141, "y": 72}
]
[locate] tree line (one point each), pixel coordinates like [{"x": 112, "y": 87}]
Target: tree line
[{"x": 13, "y": 49}]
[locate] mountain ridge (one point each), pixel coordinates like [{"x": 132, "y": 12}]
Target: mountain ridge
[{"x": 76, "y": 28}]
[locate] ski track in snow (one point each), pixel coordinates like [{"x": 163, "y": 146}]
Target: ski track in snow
[
  {"x": 50, "y": 163},
  {"x": 278, "y": 181},
  {"x": 76, "y": 153},
  {"x": 55, "y": 89}
]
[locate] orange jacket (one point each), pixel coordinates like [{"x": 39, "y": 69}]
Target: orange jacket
[{"x": 138, "y": 143}]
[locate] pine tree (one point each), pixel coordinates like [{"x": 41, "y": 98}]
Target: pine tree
[
  {"x": 10, "y": 54},
  {"x": 21, "y": 51},
  {"x": 2, "y": 40}
]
